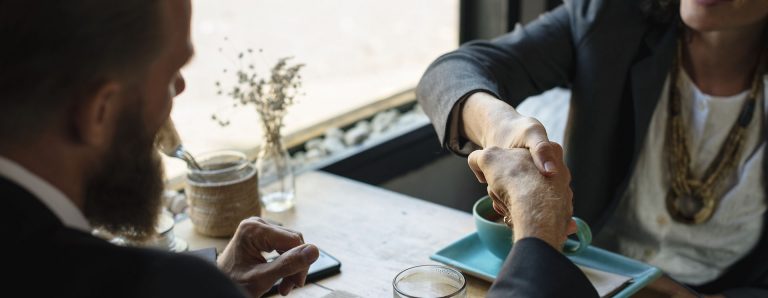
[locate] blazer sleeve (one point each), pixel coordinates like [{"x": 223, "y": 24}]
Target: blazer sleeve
[
  {"x": 514, "y": 66},
  {"x": 182, "y": 275},
  {"x": 535, "y": 269},
  {"x": 746, "y": 293}
]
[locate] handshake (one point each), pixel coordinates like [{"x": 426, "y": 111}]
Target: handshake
[
  {"x": 530, "y": 183},
  {"x": 534, "y": 204}
]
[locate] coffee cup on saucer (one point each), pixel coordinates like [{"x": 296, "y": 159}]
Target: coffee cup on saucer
[{"x": 496, "y": 236}]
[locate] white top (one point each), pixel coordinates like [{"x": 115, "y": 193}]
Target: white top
[
  {"x": 49, "y": 195},
  {"x": 695, "y": 254}
]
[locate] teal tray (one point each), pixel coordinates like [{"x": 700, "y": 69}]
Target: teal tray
[{"x": 469, "y": 255}]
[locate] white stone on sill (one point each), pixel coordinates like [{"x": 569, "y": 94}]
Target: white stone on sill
[
  {"x": 314, "y": 144},
  {"x": 409, "y": 118},
  {"x": 376, "y": 136},
  {"x": 333, "y": 145},
  {"x": 383, "y": 120},
  {"x": 298, "y": 160},
  {"x": 314, "y": 154},
  {"x": 334, "y": 132},
  {"x": 418, "y": 110},
  {"x": 357, "y": 134},
  {"x": 384, "y": 124}
]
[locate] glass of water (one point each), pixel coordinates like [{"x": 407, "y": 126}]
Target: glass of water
[{"x": 429, "y": 281}]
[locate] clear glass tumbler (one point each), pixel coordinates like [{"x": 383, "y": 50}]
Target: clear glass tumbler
[{"x": 429, "y": 281}]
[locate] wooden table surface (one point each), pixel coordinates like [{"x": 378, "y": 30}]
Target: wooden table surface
[{"x": 375, "y": 233}]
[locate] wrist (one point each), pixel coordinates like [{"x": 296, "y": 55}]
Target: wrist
[
  {"x": 481, "y": 113},
  {"x": 546, "y": 234}
]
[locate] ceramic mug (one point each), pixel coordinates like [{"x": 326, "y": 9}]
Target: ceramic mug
[{"x": 497, "y": 237}]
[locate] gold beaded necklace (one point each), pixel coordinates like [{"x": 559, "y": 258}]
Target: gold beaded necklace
[{"x": 692, "y": 200}]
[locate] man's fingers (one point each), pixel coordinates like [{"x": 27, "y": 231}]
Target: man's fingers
[
  {"x": 294, "y": 281},
  {"x": 498, "y": 205},
  {"x": 299, "y": 234},
  {"x": 499, "y": 209},
  {"x": 572, "y": 228},
  {"x": 285, "y": 286},
  {"x": 473, "y": 160},
  {"x": 266, "y": 237},
  {"x": 292, "y": 262}
]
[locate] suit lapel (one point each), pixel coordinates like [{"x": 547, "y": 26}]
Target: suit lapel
[
  {"x": 25, "y": 215},
  {"x": 647, "y": 79}
]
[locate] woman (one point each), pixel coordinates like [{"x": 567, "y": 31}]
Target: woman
[{"x": 666, "y": 137}]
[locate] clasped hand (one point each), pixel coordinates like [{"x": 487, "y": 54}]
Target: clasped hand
[{"x": 532, "y": 204}]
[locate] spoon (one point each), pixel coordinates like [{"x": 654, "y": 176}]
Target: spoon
[{"x": 169, "y": 143}]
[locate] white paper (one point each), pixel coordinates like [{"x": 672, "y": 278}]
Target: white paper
[{"x": 606, "y": 283}]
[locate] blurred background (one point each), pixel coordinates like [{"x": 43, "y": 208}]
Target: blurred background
[{"x": 363, "y": 59}]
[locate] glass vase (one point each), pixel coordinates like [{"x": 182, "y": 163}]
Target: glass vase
[{"x": 276, "y": 180}]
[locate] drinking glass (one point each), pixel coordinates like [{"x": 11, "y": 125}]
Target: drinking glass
[
  {"x": 429, "y": 281},
  {"x": 222, "y": 193}
]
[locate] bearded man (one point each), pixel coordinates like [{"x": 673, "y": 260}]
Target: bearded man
[{"x": 84, "y": 87}]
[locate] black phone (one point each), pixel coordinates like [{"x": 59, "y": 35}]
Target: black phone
[{"x": 324, "y": 266}]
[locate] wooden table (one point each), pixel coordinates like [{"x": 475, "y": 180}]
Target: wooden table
[{"x": 375, "y": 233}]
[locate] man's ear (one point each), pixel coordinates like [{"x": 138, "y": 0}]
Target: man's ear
[{"x": 96, "y": 115}]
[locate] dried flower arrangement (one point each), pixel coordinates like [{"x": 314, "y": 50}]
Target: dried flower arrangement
[{"x": 270, "y": 97}]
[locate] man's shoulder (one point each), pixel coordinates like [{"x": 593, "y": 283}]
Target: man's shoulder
[
  {"x": 86, "y": 266},
  {"x": 157, "y": 273},
  {"x": 172, "y": 274}
]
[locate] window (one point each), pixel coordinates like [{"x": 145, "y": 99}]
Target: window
[{"x": 355, "y": 52}]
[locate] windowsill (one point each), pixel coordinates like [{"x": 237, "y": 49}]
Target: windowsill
[{"x": 175, "y": 169}]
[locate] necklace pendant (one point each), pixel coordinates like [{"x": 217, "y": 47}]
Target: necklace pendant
[
  {"x": 688, "y": 208},
  {"x": 689, "y": 205}
]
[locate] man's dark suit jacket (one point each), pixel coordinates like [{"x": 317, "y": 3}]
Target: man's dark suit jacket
[
  {"x": 535, "y": 269},
  {"x": 49, "y": 259},
  {"x": 615, "y": 58}
]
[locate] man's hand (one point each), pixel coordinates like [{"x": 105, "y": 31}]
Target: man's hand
[
  {"x": 532, "y": 204},
  {"x": 243, "y": 262},
  {"x": 488, "y": 122}
]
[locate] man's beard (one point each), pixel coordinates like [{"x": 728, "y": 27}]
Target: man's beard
[{"x": 123, "y": 193}]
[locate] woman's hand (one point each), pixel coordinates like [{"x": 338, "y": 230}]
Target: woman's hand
[{"x": 490, "y": 122}]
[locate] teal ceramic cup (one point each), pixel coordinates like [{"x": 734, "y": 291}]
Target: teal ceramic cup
[{"x": 497, "y": 237}]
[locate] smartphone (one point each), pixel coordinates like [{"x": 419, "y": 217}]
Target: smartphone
[{"x": 323, "y": 267}]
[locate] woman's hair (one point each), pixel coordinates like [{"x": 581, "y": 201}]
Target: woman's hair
[{"x": 662, "y": 11}]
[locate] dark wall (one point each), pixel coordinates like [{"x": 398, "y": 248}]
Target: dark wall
[
  {"x": 447, "y": 181},
  {"x": 486, "y": 19}
]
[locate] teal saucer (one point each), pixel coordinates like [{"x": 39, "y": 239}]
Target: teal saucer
[{"x": 470, "y": 256}]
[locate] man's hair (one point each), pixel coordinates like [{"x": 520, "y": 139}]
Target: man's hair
[{"x": 54, "y": 52}]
